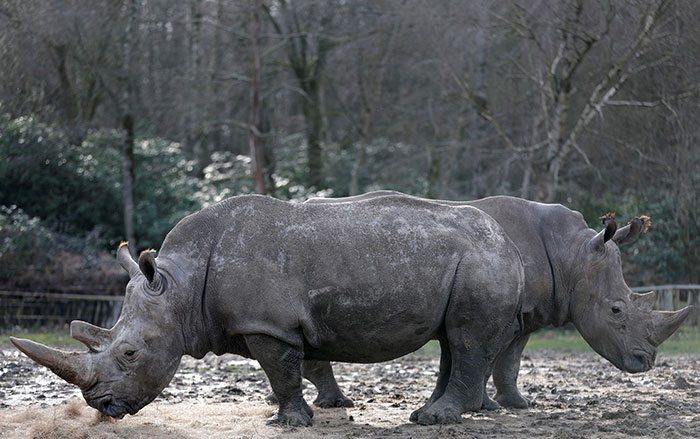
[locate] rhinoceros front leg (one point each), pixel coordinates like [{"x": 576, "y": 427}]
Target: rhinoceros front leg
[
  {"x": 282, "y": 365},
  {"x": 505, "y": 375},
  {"x": 320, "y": 373}
]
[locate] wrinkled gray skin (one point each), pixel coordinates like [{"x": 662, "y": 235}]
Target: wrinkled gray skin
[
  {"x": 572, "y": 274},
  {"x": 282, "y": 283}
]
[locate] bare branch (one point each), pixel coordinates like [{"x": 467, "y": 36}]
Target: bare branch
[
  {"x": 628, "y": 103},
  {"x": 610, "y": 84}
]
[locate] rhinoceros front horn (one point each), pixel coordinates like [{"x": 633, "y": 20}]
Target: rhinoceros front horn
[
  {"x": 665, "y": 323},
  {"x": 74, "y": 367}
]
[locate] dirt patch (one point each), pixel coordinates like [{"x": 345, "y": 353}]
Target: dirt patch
[{"x": 575, "y": 395}]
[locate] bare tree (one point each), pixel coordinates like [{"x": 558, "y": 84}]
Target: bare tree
[
  {"x": 127, "y": 109},
  {"x": 567, "y": 102},
  {"x": 255, "y": 75},
  {"x": 307, "y": 49}
]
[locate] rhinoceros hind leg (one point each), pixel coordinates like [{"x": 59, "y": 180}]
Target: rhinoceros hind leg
[
  {"x": 443, "y": 378},
  {"x": 505, "y": 375},
  {"x": 465, "y": 384},
  {"x": 282, "y": 365},
  {"x": 320, "y": 373}
]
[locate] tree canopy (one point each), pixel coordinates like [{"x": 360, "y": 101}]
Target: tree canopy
[{"x": 176, "y": 105}]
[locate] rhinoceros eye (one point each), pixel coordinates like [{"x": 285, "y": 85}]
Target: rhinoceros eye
[
  {"x": 616, "y": 310},
  {"x": 130, "y": 355}
]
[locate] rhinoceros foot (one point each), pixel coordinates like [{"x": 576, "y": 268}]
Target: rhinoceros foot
[
  {"x": 300, "y": 418},
  {"x": 437, "y": 414},
  {"x": 271, "y": 399},
  {"x": 333, "y": 401},
  {"x": 323, "y": 401},
  {"x": 489, "y": 404},
  {"x": 292, "y": 415},
  {"x": 513, "y": 400}
]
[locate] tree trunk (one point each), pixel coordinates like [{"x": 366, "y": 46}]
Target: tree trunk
[
  {"x": 128, "y": 178},
  {"x": 356, "y": 167},
  {"x": 266, "y": 152},
  {"x": 308, "y": 70},
  {"x": 128, "y": 173},
  {"x": 433, "y": 171},
  {"x": 527, "y": 177},
  {"x": 196, "y": 136},
  {"x": 314, "y": 120},
  {"x": 254, "y": 117},
  {"x": 216, "y": 67}
]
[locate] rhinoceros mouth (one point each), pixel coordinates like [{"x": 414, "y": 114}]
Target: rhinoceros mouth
[
  {"x": 639, "y": 360},
  {"x": 110, "y": 406}
]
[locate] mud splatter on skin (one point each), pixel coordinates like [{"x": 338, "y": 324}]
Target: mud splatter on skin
[{"x": 575, "y": 395}]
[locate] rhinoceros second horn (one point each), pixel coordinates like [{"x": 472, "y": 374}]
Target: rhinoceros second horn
[
  {"x": 645, "y": 301},
  {"x": 94, "y": 337}
]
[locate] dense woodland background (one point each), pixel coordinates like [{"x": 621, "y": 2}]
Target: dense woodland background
[{"x": 118, "y": 117}]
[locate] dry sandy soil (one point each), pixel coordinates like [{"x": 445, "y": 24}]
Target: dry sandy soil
[{"x": 574, "y": 395}]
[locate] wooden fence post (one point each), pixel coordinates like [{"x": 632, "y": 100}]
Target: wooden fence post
[
  {"x": 694, "y": 299},
  {"x": 664, "y": 301}
]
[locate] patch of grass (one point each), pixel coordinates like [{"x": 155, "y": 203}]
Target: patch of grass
[
  {"x": 429, "y": 350},
  {"x": 557, "y": 340},
  {"x": 685, "y": 341},
  {"x": 58, "y": 338}
]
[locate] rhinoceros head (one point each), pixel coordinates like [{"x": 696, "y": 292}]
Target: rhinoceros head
[
  {"x": 127, "y": 366},
  {"x": 616, "y": 322}
]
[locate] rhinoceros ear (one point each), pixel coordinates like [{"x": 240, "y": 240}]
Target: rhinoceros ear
[
  {"x": 597, "y": 243},
  {"x": 149, "y": 268},
  {"x": 631, "y": 231}
]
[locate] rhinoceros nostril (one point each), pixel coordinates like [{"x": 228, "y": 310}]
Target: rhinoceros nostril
[{"x": 105, "y": 403}]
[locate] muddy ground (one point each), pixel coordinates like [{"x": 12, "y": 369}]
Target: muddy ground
[{"x": 575, "y": 395}]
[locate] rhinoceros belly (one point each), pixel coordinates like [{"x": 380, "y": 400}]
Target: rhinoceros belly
[{"x": 364, "y": 325}]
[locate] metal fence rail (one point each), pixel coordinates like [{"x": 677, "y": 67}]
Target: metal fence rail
[
  {"x": 39, "y": 309},
  {"x": 675, "y": 296}
]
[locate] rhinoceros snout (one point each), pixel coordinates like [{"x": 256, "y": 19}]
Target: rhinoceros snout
[{"x": 111, "y": 407}]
